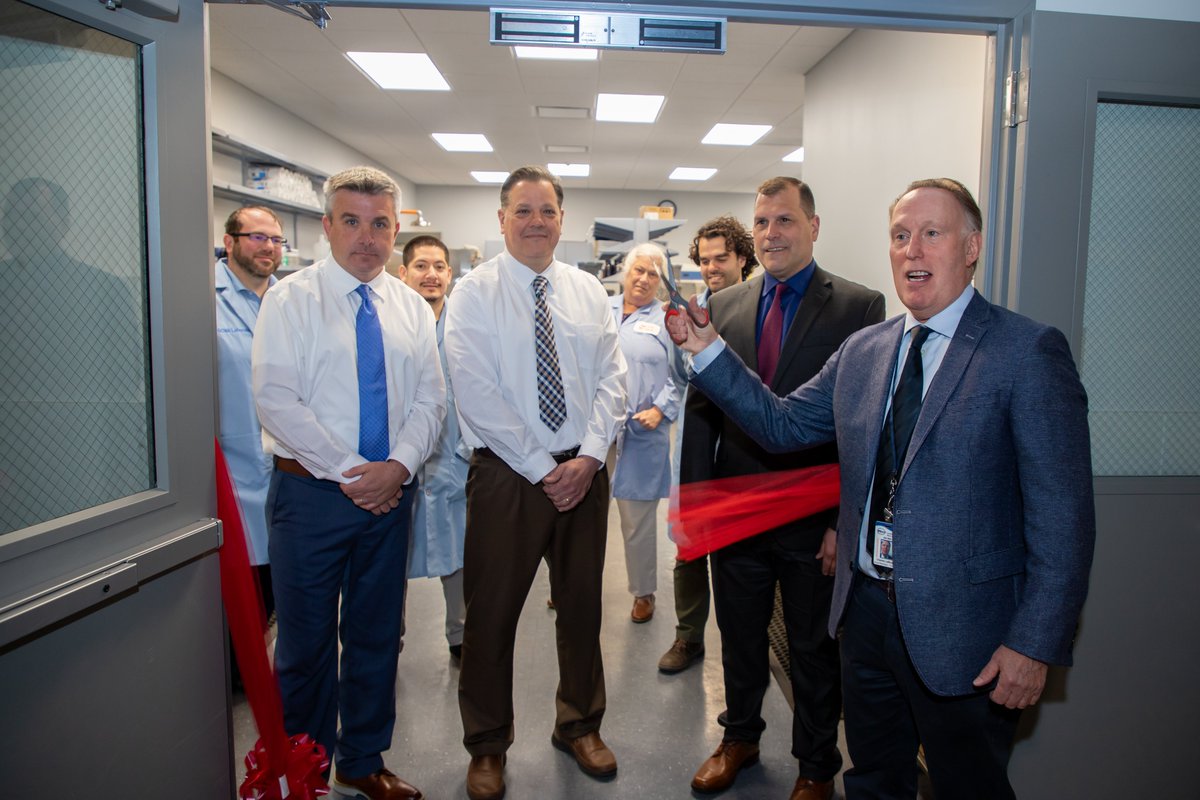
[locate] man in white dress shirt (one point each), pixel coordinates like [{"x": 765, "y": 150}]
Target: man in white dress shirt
[
  {"x": 539, "y": 383},
  {"x": 351, "y": 398}
]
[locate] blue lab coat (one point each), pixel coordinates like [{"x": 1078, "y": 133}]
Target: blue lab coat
[
  {"x": 240, "y": 434},
  {"x": 643, "y": 466},
  {"x": 439, "y": 525}
]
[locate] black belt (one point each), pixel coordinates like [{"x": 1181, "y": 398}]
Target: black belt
[
  {"x": 887, "y": 586},
  {"x": 559, "y": 458}
]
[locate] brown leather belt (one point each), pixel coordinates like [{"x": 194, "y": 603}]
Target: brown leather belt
[
  {"x": 559, "y": 458},
  {"x": 293, "y": 467}
]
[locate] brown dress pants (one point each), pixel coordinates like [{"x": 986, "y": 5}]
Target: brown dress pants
[{"x": 511, "y": 527}]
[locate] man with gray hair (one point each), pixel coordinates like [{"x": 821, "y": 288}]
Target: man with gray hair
[{"x": 350, "y": 394}]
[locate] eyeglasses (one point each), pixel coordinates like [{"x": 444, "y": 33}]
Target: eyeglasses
[{"x": 262, "y": 238}]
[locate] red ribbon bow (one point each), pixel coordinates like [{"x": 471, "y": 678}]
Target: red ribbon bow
[{"x": 277, "y": 767}]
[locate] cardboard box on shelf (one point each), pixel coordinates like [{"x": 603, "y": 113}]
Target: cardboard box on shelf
[{"x": 656, "y": 212}]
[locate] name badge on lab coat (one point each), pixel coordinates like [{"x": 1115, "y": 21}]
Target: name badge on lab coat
[{"x": 646, "y": 327}]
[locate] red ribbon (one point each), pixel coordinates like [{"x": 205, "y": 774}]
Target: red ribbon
[
  {"x": 301, "y": 775},
  {"x": 708, "y": 515},
  {"x": 277, "y": 767}
]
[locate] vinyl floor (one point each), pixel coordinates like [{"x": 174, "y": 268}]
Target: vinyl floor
[{"x": 661, "y": 727}]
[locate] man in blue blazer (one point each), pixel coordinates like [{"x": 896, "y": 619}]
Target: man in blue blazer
[{"x": 963, "y": 551}]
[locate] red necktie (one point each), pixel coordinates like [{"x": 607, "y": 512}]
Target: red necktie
[{"x": 772, "y": 337}]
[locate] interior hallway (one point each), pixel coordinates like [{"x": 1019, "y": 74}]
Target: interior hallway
[{"x": 661, "y": 727}]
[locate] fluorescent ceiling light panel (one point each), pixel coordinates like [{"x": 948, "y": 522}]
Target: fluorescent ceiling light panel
[
  {"x": 557, "y": 53},
  {"x": 692, "y": 174},
  {"x": 628, "y": 107},
  {"x": 570, "y": 170},
  {"x": 726, "y": 133},
  {"x": 484, "y": 176},
  {"x": 566, "y": 148},
  {"x": 463, "y": 142},
  {"x": 412, "y": 71},
  {"x": 562, "y": 112},
  {"x": 796, "y": 156}
]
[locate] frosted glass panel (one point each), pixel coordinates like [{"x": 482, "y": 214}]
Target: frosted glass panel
[
  {"x": 75, "y": 427},
  {"x": 1141, "y": 341}
]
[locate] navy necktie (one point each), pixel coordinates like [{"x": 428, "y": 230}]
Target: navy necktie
[
  {"x": 897, "y": 431},
  {"x": 373, "y": 443},
  {"x": 552, "y": 404},
  {"x": 770, "y": 341}
]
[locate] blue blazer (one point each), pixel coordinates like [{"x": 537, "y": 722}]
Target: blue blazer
[{"x": 995, "y": 521}]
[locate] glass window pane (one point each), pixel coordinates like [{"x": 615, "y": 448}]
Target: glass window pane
[
  {"x": 1141, "y": 338},
  {"x": 75, "y": 410}
]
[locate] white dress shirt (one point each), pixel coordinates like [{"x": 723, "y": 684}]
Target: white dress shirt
[
  {"x": 490, "y": 351},
  {"x": 305, "y": 371}
]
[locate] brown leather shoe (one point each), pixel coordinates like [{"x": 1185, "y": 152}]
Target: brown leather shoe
[
  {"x": 590, "y": 753},
  {"x": 680, "y": 656},
  {"x": 381, "y": 785},
  {"x": 643, "y": 608},
  {"x": 806, "y": 789},
  {"x": 485, "y": 778},
  {"x": 720, "y": 770}
]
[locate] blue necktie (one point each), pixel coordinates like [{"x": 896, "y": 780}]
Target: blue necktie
[
  {"x": 552, "y": 405},
  {"x": 373, "y": 444}
]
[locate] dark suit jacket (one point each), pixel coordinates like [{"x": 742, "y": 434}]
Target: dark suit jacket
[
  {"x": 995, "y": 522},
  {"x": 832, "y": 309}
]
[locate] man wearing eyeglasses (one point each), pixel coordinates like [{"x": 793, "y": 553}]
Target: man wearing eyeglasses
[{"x": 254, "y": 250}]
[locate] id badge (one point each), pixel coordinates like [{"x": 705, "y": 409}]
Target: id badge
[{"x": 882, "y": 557}]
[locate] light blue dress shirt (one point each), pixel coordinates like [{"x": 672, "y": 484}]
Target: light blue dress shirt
[
  {"x": 239, "y": 432},
  {"x": 943, "y": 325}
]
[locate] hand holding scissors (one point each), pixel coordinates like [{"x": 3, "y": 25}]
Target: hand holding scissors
[{"x": 677, "y": 305}]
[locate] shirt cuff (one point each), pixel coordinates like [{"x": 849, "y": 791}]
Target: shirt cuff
[{"x": 708, "y": 355}]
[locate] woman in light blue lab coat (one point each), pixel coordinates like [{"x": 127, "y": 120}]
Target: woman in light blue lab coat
[{"x": 642, "y": 473}]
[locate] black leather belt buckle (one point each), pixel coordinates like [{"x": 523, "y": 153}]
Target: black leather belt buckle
[{"x": 565, "y": 455}]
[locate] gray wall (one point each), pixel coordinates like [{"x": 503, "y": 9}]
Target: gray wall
[
  {"x": 881, "y": 110},
  {"x": 1126, "y": 710},
  {"x": 467, "y": 215}
]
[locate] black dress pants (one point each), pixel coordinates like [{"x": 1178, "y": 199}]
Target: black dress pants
[
  {"x": 744, "y": 578},
  {"x": 968, "y": 739}
]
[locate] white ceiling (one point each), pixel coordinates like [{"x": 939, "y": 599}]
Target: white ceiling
[{"x": 759, "y": 80}]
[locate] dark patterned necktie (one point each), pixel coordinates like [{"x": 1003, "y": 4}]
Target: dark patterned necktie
[{"x": 552, "y": 405}]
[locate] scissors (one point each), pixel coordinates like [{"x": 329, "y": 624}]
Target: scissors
[{"x": 678, "y": 304}]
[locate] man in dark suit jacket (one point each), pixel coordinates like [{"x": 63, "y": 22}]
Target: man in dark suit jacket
[
  {"x": 961, "y": 570},
  {"x": 787, "y": 322}
]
